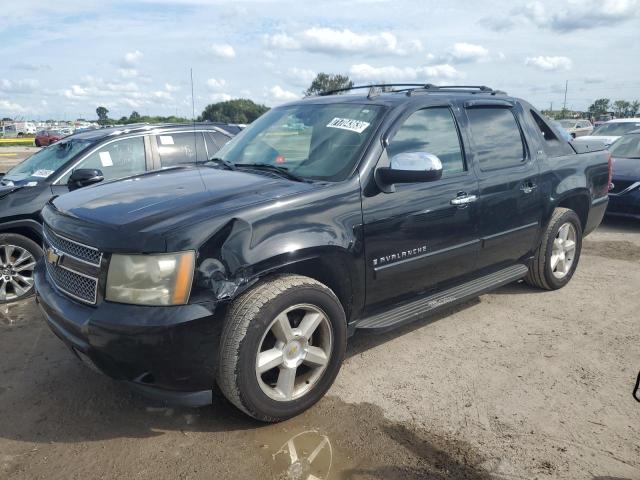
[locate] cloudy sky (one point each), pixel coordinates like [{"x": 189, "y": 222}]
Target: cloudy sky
[{"x": 61, "y": 59}]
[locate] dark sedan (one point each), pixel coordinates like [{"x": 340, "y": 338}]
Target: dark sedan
[{"x": 624, "y": 196}]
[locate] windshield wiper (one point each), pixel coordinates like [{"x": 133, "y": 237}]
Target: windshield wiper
[
  {"x": 220, "y": 161},
  {"x": 284, "y": 171}
]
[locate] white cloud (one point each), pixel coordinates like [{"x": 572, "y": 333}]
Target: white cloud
[
  {"x": 549, "y": 64},
  {"x": 364, "y": 71},
  {"x": 280, "y": 94},
  {"x": 128, "y": 72},
  {"x": 216, "y": 84},
  {"x": 132, "y": 58},
  {"x": 334, "y": 41},
  {"x": 468, "y": 52},
  {"x": 220, "y": 97},
  {"x": 11, "y": 107},
  {"x": 222, "y": 50},
  {"x": 27, "y": 85},
  {"x": 171, "y": 88},
  {"x": 301, "y": 76},
  {"x": 566, "y": 15},
  {"x": 281, "y": 41}
]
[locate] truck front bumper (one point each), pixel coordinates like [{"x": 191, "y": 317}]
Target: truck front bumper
[{"x": 166, "y": 353}]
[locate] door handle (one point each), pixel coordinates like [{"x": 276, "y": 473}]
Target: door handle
[
  {"x": 528, "y": 187},
  {"x": 463, "y": 200}
]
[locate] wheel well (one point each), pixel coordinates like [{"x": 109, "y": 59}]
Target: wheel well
[
  {"x": 25, "y": 232},
  {"x": 330, "y": 271},
  {"x": 580, "y": 205}
]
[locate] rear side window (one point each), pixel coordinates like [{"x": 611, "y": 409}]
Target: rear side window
[
  {"x": 432, "y": 130},
  {"x": 497, "y": 138},
  {"x": 181, "y": 148},
  {"x": 553, "y": 144}
]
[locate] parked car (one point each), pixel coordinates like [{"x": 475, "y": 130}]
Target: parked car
[
  {"x": 77, "y": 161},
  {"x": 253, "y": 270},
  {"x": 577, "y": 128},
  {"x": 624, "y": 195},
  {"x": 48, "y": 137},
  {"x": 564, "y": 134},
  {"x": 612, "y": 130}
]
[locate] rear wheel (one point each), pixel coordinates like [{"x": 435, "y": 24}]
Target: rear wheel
[
  {"x": 37, "y": 142},
  {"x": 281, "y": 347},
  {"x": 18, "y": 256},
  {"x": 557, "y": 256}
]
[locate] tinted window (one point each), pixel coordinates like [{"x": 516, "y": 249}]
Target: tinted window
[
  {"x": 181, "y": 148},
  {"x": 432, "y": 130},
  {"x": 115, "y": 160},
  {"x": 497, "y": 137}
]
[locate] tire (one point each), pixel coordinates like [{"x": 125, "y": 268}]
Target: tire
[
  {"x": 37, "y": 142},
  {"x": 18, "y": 255},
  {"x": 542, "y": 273},
  {"x": 249, "y": 326}
]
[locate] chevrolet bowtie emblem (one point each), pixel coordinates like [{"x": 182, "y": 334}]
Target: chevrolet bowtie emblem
[{"x": 53, "y": 256}]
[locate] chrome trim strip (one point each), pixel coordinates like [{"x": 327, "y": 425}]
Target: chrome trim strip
[
  {"x": 507, "y": 232},
  {"x": 379, "y": 268}
]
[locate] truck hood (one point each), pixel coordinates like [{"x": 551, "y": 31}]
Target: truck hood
[
  {"x": 627, "y": 168},
  {"x": 145, "y": 207},
  {"x": 607, "y": 140}
]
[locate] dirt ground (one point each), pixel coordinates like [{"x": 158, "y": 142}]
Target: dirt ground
[{"x": 518, "y": 384}]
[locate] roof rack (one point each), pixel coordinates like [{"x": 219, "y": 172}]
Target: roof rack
[{"x": 378, "y": 88}]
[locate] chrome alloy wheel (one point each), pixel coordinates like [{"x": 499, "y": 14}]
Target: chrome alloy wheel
[
  {"x": 294, "y": 352},
  {"x": 16, "y": 272},
  {"x": 563, "y": 251}
]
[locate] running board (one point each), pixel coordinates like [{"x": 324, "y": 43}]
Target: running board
[{"x": 415, "y": 309}]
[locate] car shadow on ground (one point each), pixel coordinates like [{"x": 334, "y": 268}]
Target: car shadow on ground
[{"x": 620, "y": 224}]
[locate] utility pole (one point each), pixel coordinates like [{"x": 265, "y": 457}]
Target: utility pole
[{"x": 566, "y": 86}]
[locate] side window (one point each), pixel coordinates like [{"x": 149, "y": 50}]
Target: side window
[
  {"x": 431, "y": 130},
  {"x": 215, "y": 141},
  {"x": 553, "y": 145},
  {"x": 181, "y": 148},
  {"x": 497, "y": 137},
  {"x": 119, "y": 159}
]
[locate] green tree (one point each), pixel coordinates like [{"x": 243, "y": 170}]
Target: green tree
[
  {"x": 325, "y": 82},
  {"x": 634, "y": 108},
  {"x": 103, "y": 117},
  {"x": 620, "y": 108},
  {"x": 241, "y": 110},
  {"x": 599, "y": 107},
  {"x": 134, "y": 117}
]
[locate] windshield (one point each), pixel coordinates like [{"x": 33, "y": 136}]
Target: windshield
[
  {"x": 319, "y": 142},
  {"x": 627, "y": 147},
  {"x": 567, "y": 123},
  {"x": 42, "y": 164},
  {"x": 615, "y": 128}
]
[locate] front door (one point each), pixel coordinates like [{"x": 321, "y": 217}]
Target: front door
[
  {"x": 510, "y": 204},
  {"x": 416, "y": 239}
]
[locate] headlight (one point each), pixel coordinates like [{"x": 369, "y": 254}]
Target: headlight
[{"x": 163, "y": 279}]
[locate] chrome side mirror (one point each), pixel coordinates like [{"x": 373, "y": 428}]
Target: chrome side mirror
[{"x": 411, "y": 167}]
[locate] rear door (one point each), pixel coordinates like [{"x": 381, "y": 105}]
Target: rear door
[
  {"x": 510, "y": 204},
  {"x": 416, "y": 240}
]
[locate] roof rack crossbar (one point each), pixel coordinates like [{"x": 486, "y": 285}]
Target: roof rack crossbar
[{"x": 409, "y": 88}]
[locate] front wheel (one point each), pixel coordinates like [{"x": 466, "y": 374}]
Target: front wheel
[
  {"x": 557, "y": 256},
  {"x": 18, "y": 256},
  {"x": 281, "y": 347}
]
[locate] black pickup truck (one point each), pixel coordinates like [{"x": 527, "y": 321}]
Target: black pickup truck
[{"x": 328, "y": 215}]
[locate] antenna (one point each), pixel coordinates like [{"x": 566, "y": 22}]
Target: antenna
[{"x": 193, "y": 116}]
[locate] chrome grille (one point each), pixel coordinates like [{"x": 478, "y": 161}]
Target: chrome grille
[
  {"x": 65, "y": 269},
  {"x": 74, "y": 249},
  {"x": 74, "y": 284}
]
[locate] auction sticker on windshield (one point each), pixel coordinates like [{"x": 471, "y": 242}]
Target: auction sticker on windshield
[
  {"x": 357, "y": 126},
  {"x": 42, "y": 173}
]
